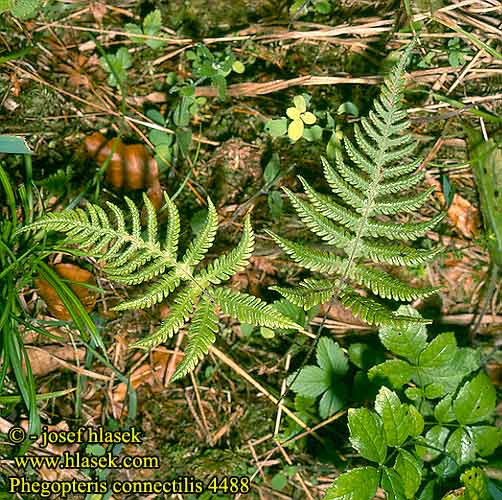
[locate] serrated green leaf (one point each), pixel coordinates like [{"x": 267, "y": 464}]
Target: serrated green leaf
[
  {"x": 475, "y": 401},
  {"x": 461, "y": 446},
  {"x": 487, "y": 439},
  {"x": 394, "y": 417},
  {"x": 396, "y": 371},
  {"x": 357, "y": 484},
  {"x": 444, "y": 410},
  {"x": 311, "y": 382},
  {"x": 440, "y": 352},
  {"x": 392, "y": 484},
  {"x": 409, "y": 468},
  {"x": 434, "y": 390},
  {"x": 151, "y": 26},
  {"x": 416, "y": 421},
  {"x": 333, "y": 400},
  {"x": 405, "y": 340},
  {"x": 135, "y": 29},
  {"x": 367, "y": 435},
  {"x": 433, "y": 443},
  {"x": 330, "y": 357}
]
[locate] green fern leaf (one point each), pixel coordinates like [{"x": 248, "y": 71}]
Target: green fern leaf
[
  {"x": 133, "y": 255},
  {"x": 200, "y": 336},
  {"x": 249, "y": 309},
  {"x": 373, "y": 177}
]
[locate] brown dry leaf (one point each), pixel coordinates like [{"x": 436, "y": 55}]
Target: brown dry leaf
[
  {"x": 263, "y": 264},
  {"x": 464, "y": 216},
  {"x": 43, "y": 361},
  {"x": 98, "y": 10},
  {"x": 72, "y": 273}
]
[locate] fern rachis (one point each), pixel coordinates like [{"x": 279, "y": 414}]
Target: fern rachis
[
  {"x": 137, "y": 256},
  {"x": 376, "y": 181}
]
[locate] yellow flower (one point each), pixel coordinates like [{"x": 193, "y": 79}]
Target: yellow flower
[{"x": 300, "y": 116}]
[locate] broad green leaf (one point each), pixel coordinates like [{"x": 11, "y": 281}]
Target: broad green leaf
[
  {"x": 465, "y": 361},
  {"x": 476, "y": 484},
  {"x": 475, "y": 401},
  {"x": 396, "y": 371},
  {"x": 447, "y": 468},
  {"x": 439, "y": 352},
  {"x": 333, "y": 399},
  {"x": 416, "y": 421},
  {"x": 357, "y": 484},
  {"x": 444, "y": 410},
  {"x": 123, "y": 58},
  {"x": 24, "y": 9},
  {"x": 277, "y": 128},
  {"x": 12, "y": 144},
  {"x": 273, "y": 168},
  {"x": 434, "y": 391},
  {"x": 407, "y": 340},
  {"x": 461, "y": 446},
  {"x": 392, "y": 484},
  {"x": 295, "y": 129},
  {"x": 428, "y": 493},
  {"x": 364, "y": 355},
  {"x": 435, "y": 438},
  {"x": 349, "y": 108},
  {"x": 275, "y": 204},
  {"x": 330, "y": 357},
  {"x": 158, "y": 137},
  {"x": 487, "y": 439},
  {"x": 367, "y": 434},
  {"x": 409, "y": 469},
  {"x": 279, "y": 481},
  {"x": 394, "y": 416},
  {"x": 311, "y": 382}
]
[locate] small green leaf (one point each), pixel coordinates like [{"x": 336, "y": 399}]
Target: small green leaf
[
  {"x": 396, "y": 371},
  {"x": 313, "y": 134},
  {"x": 332, "y": 400},
  {"x": 275, "y": 203},
  {"x": 416, "y": 421},
  {"x": 151, "y": 26},
  {"x": 439, "y": 352},
  {"x": 434, "y": 391},
  {"x": 367, "y": 434},
  {"x": 323, "y": 7},
  {"x": 357, "y": 484},
  {"x": 392, "y": 484},
  {"x": 409, "y": 469},
  {"x": 330, "y": 357},
  {"x": 461, "y": 446},
  {"x": 348, "y": 108},
  {"x": 134, "y": 28},
  {"x": 273, "y": 169},
  {"x": 311, "y": 382},
  {"x": 444, "y": 410},
  {"x": 95, "y": 449},
  {"x": 279, "y": 481},
  {"x": 123, "y": 58},
  {"x": 158, "y": 137},
  {"x": 267, "y": 333},
  {"x": 309, "y": 118},
  {"x": 435, "y": 438},
  {"x": 475, "y": 401},
  {"x": 277, "y": 128},
  {"x": 394, "y": 417},
  {"x": 407, "y": 340},
  {"x": 238, "y": 67},
  {"x": 487, "y": 439}
]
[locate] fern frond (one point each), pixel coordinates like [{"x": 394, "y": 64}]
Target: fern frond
[
  {"x": 373, "y": 312},
  {"x": 203, "y": 241},
  {"x": 372, "y": 176},
  {"x": 249, "y": 309},
  {"x": 200, "y": 337},
  {"x": 133, "y": 255}
]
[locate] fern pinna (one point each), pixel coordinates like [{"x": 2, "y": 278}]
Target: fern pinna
[
  {"x": 379, "y": 182},
  {"x": 135, "y": 256}
]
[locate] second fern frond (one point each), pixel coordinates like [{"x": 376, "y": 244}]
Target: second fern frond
[{"x": 377, "y": 181}]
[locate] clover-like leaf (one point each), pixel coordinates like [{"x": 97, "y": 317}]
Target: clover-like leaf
[{"x": 295, "y": 129}]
